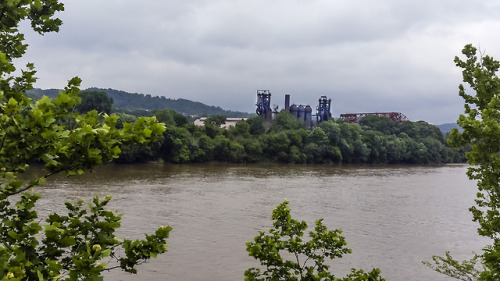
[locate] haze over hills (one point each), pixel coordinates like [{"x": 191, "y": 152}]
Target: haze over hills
[
  {"x": 132, "y": 101},
  {"x": 445, "y": 128}
]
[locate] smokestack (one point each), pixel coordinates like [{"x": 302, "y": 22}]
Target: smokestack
[{"x": 287, "y": 102}]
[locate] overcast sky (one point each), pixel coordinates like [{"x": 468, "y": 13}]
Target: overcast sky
[{"x": 367, "y": 56}]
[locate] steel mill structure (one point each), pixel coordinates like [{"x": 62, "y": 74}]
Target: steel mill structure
[
  {"x": 355, "y": 117},
  {"x": 300, "y": 111},
  {"x": 323, "y": 110},
  {"x": 264, "y": 104}
]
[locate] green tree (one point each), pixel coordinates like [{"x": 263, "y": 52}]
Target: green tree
[
  {"x": 332, "y": 130},
  {"x": 318, "y": 136},
  {"x": 48, "y": 131},
  {"x": 396, "y": 149},
  {"x": 94, "y": 100},
  {"x": 435, "y": 149},
  {"x": 216, "y": 120},
  {"x": 420, "y": 129},
  {"x": 297, "y": 137},
  {"x": 417, "y": 152},
  {"x": 377, "y": 144},
  {"x": 241, "y": 130},
  {"x": 381, "y": 124},
  {"x": 481, "y": 130},
  {"x": 275, "y": 146},
  {"x": 315, "y": 153},
  {"x": 253, "y": 149},
  {"x": 206, "y": 145},
  {"x": 212, "y": 130},
  {"x": 227, "y": 150},
  {"x": 316, "y": 148},
  {"x": 285, "y": 121},
  {"x": 256, "y": 125},
  {"x": 175, "y": 147},
  {"x": 350, "y": 144},
  {"x": 170, "y": 117},
  {"x": 296, "y": 155},
  {"x": 308, "y": 258},
  {"x": 125, "y": 118}
]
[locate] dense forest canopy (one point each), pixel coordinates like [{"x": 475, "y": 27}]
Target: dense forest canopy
[{"x": 286, "y": 140}]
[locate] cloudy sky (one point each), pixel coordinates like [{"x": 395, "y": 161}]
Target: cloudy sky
[{"x": 367, "y": 56}]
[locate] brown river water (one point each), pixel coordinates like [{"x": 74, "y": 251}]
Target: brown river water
[{"x": 393, "y": 217}]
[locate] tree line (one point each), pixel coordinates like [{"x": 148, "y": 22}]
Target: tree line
[
  {"x": 375, "y": 139},
  {"x": 286, "y": 140}
]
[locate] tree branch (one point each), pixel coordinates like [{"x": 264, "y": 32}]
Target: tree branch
[
  {"x": 298, "y": 263},
  {"x": 7, "y": 246},
  {"x": 34, "y": 183}
]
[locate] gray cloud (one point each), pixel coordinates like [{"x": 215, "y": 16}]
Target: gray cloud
[{"x": 367, "y": 56}]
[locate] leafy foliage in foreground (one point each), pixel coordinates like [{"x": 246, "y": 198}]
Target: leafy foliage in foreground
[
  {"x": 467, "y": 270},
  {"x": 49, "y": 132},
  {"x": 308, "y": 258},
  {"x": 481, "y": 130}
]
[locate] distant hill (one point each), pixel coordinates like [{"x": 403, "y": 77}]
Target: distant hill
[
  {"x": 133, "y": 101},
  {"x": 446, "y": 128}
]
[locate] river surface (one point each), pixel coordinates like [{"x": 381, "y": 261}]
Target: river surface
[{"x": 393, "y": 217}]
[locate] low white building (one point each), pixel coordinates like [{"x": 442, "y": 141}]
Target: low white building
[{"x": 229, "y": 122}]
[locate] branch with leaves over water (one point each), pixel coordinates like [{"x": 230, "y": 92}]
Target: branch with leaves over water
[{"x": 287, "y": 236}]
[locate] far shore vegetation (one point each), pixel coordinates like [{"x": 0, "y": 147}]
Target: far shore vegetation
[
  {"x": 285, "y": 139},
  {"x": 374, "y": 140}
]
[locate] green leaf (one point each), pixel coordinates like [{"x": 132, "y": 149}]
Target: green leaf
[{"x": 12, "y": 234}]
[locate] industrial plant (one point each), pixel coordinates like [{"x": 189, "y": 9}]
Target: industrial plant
[{"x": 323, "y": 110}]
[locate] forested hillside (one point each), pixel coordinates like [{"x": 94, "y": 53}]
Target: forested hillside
[{"x": 132, "y": 101}]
